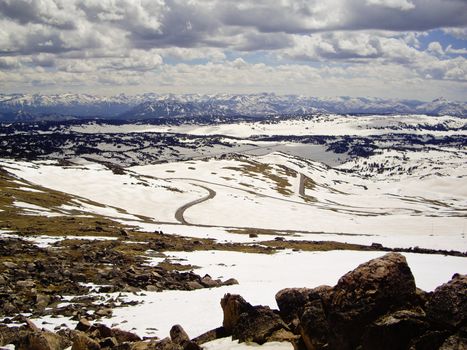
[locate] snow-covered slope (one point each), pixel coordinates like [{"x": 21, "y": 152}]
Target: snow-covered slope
[
  {"x": 325, "y": 124},
  {"x": 425, "y": 206}
]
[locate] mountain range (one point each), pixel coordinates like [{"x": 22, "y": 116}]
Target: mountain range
[{"x": 33, "y": 107}]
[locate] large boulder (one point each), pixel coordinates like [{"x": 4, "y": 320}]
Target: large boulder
[
  {"x": 366, "y": 293},
  {"x": 447, "y": 306}
]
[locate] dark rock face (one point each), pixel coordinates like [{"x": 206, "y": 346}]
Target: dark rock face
[
  {"x": 394, "y": 331},
  {"x": 448, "y": 303},
  {"x": 313, "y": 325},
  {"x": 291, "y": 302},
  {"x": 369, "y": 291}
]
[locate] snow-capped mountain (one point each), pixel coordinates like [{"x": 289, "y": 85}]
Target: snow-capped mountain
[{"x": 15, "y": 107}]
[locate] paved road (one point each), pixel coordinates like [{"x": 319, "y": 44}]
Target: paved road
[{"x": 179, "y": 214}]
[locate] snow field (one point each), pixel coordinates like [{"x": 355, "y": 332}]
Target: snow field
[{"x": 260, "y": 277}]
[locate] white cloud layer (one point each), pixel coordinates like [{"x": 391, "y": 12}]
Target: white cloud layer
[{"x": 307, "y": 46}]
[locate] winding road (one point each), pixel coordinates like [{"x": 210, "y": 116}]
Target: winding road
[{"x": 179, "y": 214}]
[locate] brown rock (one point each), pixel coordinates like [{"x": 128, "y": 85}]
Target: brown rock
[
  {"x": 230, "y": 282},
  {"x": 108, "y": 342},
  {"x": 104, "y": 312},
  {"x": 257, "y": 325},
  {"x": 232, "y": 306},
  {"x": 283, "y": 335},
  {"x": 164, "y": 344},
  {"x": 8, "y": 335},
  {"x": 448, "y": 303},
  {"x": 124, "y": 336},
  {"x": 10, "y": 265},
  {"x": 178, "y": 335},
  {"x": 211, "y": 335},
  {"x": 313, "y": 326},
  {"x": 42, "y": 301},
  {"x": 291, "y": 302},
  {"x": 100, "y": 330},
  {"x": 26, "y": 284},
  {"x": 83, "y": 325},
  {"x": 82, "y": 342},
  {"x": 207, "y": 281},
  {"x": 30, "y": 325},
  {"x": 194, "y": 285},
  {"x": 366, "y": 293},
  {"x": 39, "y": 341},
  {"x": 249, "y": 323}
]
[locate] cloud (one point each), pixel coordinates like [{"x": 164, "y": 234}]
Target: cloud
[
  {"x": 104, "y": 42},
  {"x": 403, "y": 5}
]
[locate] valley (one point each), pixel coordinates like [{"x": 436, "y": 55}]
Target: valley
[{"x": 295, "y": 201}]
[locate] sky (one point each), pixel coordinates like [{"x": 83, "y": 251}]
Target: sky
[{"x": 410, "y": 49}]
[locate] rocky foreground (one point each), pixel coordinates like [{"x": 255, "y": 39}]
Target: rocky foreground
[{"x": 375, "y": 306}]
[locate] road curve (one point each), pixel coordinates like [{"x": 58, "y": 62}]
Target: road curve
[{"x": 179, "y": 214}]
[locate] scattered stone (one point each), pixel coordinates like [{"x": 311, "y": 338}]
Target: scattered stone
[
  {"x": 230, "y": 282},
  {"x": 207, "y": 281},
  {"x": 104, "y": 312},
  {"x": 10, "y": 265},
  {"x": 83, "y": 325},
  {"x": 124, "y": 336},
  {"x": 124, "y": 233}
]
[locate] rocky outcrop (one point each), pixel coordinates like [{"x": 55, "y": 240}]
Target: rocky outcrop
[{"x": 375, "y": 306}]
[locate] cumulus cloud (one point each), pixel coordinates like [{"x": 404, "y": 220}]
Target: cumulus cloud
[{"x": 118, "y": 42}]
